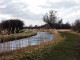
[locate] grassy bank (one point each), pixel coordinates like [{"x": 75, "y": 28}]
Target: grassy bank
[
  {"x": 23, "y": 34},
  {"x": 31, "y": 52},
  {"x": 59, "y": 49}
]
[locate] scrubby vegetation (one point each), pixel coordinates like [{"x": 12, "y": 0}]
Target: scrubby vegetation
[
  {"x": 68, "y": 49},
  {"x": 12, "y": 29},
  {"x": 22, "y": 34},
  {"x": 19, "y": 54},
  {"x": 64, "y": 49}
]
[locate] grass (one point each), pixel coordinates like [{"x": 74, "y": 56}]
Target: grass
[
  {"x": 68, "y": 49},
  {"x": 65, "y": 49},
  {"x": 23, "y": 34},
  {"x": 27, "y": 51}
]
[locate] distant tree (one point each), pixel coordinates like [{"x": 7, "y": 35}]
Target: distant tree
[
  {"x": 0, "y": 28},
  {"x": 76, "y": 25},
  {"x": 59, "y": 24},
  {"x": 53, "y": 21},
  {"x": 50, "y": 18},
  {"x": 12, "y": 25},
  {"x": 36, "y": 26},
  {"x": 66, "y": 26},
  {"x": 30, "y": 26}
]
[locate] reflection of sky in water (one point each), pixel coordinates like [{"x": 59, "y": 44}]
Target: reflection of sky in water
[{"x": 40, "y": 37}]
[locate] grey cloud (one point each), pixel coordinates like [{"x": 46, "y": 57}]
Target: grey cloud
[
  {"x": 20, "y": 10},
  {"x": 5, "y": 2},
  {"x": 60, "y": 4},
  {"x": 66, "y": 7},
  {"x": 17, "y": 10}
]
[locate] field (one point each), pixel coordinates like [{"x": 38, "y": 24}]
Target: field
[{"x": 65, "y": 46}]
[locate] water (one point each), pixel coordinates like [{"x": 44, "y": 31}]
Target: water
[{"x": 41, "y": 37}]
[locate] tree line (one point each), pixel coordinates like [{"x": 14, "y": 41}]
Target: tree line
[
  {"x": 52, "y": 21},
  {"x": 11, "y": 26}
]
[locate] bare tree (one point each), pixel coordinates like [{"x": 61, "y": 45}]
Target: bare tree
[
  {"x": 50, "y": 18},
  {"x": 76, "y": 25}
]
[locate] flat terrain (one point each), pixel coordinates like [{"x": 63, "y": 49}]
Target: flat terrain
[{"x": 66, "y": 48}]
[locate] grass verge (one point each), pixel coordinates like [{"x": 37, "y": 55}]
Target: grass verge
[
  {"x": 58, "y": 49},
  {"x": 32, "y": 52},
  {"x": 11, "y": 37}
]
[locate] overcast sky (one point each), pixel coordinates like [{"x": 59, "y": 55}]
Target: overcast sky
[{"x": 32, "y": 11}]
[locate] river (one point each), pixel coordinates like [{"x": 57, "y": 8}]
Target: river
[{"x": 41, "y": 37}]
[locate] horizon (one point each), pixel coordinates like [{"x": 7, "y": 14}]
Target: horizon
[{"x": 31, "y": 12}]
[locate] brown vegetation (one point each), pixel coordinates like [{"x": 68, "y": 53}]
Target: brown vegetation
[
  {"x": 5, "y": 38},
  {"x": 21, "y": 52}
]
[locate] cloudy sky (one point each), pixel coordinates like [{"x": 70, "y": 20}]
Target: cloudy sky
[{"x": 32, "y": 11}]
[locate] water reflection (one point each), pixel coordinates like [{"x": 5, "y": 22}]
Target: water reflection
[{"x": 34, "y": 40}]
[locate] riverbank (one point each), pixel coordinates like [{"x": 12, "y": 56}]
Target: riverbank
[
  {"x": 26, "y": 53},
  {"x": 11, "y": 37},
  {"x": 66, "y": 49}
]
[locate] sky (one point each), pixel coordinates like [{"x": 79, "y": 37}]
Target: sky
[{"x": 31, "y": 12}]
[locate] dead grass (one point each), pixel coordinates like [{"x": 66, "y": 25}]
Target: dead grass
[
  {"x": 27, "y": 50},
  {"x": 65, "y": 30},
  {"x": 11, "y": 37}
]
